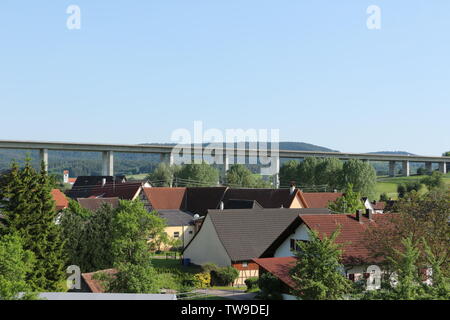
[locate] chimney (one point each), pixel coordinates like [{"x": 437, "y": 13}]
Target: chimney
[
  {"x": 369, "y": 213},
  {"x": 292, "y": 189},
  {"x": 222, "y": 205},
  {"x": 359, "y": 215}
]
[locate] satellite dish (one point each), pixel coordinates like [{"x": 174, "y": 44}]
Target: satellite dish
[{"x": 196, "y": 216}]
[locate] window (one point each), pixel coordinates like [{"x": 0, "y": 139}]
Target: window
[
  {"x": 176, "y": 234},
  {"x": 190, "y": 232},
  {"x": 244, "y": 264},
  {"x": 294, "y": 246}
]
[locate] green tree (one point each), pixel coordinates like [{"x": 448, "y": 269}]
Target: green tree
[
  {"x": 446, "y": 154},
  {"x": 328, "y": 172},
  {"x": 27, "y": 204},
  {"x": 134, "y": 226},
  {"x": 289, "y": 172},
  {"x": 348, "y": 203},
  {"x": 15, "y": 264},
  {"x": 435, "y": 180},
  {"x": 163, "y": 175},
  {"x": 240, "y": 176},
  {"x": 424, "y": 217},
  {"x": 361, "y": 175},
  {"x": 88, "y": 236},
  {"x": 307, "y": 171},
  {"x": 135, "y": 278},
  {"x": 408, "y": 286},
  {"x": 198, "y": 175},
  {"x": 318, "y": 273}
]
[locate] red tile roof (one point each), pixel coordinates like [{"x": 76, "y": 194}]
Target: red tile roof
[
  {"x": 352, "y": 233},
  {"x": 379, "y": 205},
  {"x": 279, "y": 267},
  {"x": 95, "y": 285},
  {"x": 166, "y": 198},
  {"x": 60, "y": 199},
  {"x": 320, "y": 199}
]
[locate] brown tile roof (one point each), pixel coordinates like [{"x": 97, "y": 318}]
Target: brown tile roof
[
  {"x": 60, "y": 199},
  {"x": 352, "y": 233},
  {"x": 93, "y": 204},
  {"x": 379, "y": 205},
  {"x": 199, "y": 200},
  {"x": 123, "y": 191},
  {"x": 166, "y": 198},
  {"x": 247, "y": 233},
  {"x": 267, "y": 198},
  {"x": 279, "y": 267},
  {"x": 320, "y": 199},
  {"x": 95, "y": 285}
]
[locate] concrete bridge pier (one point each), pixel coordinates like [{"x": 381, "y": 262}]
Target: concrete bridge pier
[
  {"x": 405, "y": 168},
  {"x": 429, "y": 167},
  {"x": 276, "y": 176},
  {"x": 391, "y": 168},
  {"x": 108, "y": 163},
  {"x": 43, "y": 155},
  {"x": 443, "y": 167},
  {"x": 167, "y": 157}
]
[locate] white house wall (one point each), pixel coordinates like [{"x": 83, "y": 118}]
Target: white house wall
[
  {"x": 206, "y": 247},
  {"x": 284, "y": 250}
]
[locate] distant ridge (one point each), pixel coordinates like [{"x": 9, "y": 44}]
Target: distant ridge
[{"x": 403, "y": 153}]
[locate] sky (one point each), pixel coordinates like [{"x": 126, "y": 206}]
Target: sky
[{"x": 136, "y": 71}]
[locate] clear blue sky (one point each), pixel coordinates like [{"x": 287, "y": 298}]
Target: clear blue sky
[{"x": 137, "y": 70}]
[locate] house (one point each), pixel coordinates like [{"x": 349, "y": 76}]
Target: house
[
  {"x": 180, "y": 225},
  {"x": 106, "y": 187},
  {"x": 374, "y": 206},
  {"x": 60, "y": 199},
  {"x": 235, "y": 237},
  {"x": 356, "y": 255},
  {"x": 93, "y": 204},
  {"x": 66, "y": 178},
  {"x": 320, "y": 199},
  {"x": 198, "y": 200},
  {"x": 280, "y": 268},
  {"x": 269, "y": 198}
]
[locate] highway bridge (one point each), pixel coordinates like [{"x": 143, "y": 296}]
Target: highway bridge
[{"x": 167, "y": 154}]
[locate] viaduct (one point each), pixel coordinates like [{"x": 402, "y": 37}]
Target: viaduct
[{"x": 108, "y": 150}]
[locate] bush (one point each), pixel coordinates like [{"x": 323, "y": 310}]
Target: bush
[
  {"x": 270, "y": 287},
  {"x": 224, "y": 276},
  {"x": 252, "y": 283},
  {"x": 209, "y": 267},
  {"x": 202, "y": 280}
]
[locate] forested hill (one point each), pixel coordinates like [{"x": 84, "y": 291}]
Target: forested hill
[{"x": 89, "y": 163}]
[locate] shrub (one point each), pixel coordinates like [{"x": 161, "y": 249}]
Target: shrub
[
  {"x": 202, "y": 280},
  {"x": 224, "y": 276},
  {"x": 270, "y": 287},
  {"x": 251, "y": 283},
  {"x": 209, "y": 267}
]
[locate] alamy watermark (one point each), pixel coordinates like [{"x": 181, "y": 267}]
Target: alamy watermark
[
  {"x": 225, "y": 147},
  {"x": 374, "y": 19},
  {"x": 73, "y": 22}
]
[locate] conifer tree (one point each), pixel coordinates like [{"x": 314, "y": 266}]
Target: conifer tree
[
  {"x": 318, "y": 273},
  {"x": 29, "y": 208}
]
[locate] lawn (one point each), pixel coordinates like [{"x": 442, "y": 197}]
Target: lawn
[
  {"x": 389, "y": 184},
  {"x": 141, "y": 176},
  {"x": 174, "y": 265}
]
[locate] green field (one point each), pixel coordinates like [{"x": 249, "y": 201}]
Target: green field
[
  {"x": 389, "y": 184},
  {"x": 137, "y": 176}
]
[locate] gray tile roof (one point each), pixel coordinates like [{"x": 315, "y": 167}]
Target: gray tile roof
[
  {"x": 176, "y": 217},
  {"x": 247, "y": 233}
]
